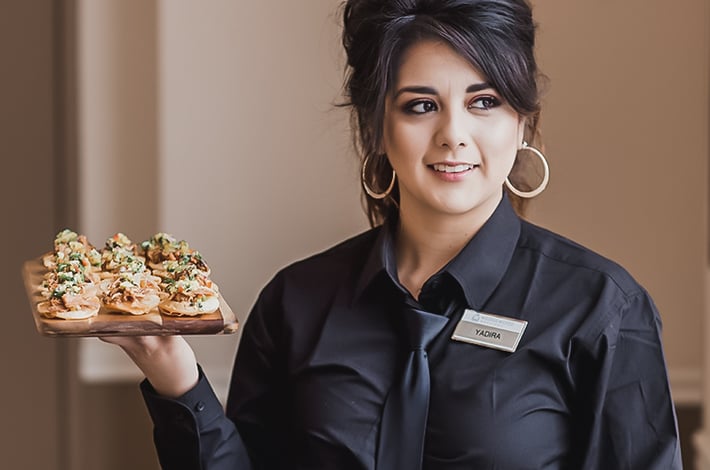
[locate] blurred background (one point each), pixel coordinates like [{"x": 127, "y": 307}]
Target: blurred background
[{"x": 215, "y": 121}]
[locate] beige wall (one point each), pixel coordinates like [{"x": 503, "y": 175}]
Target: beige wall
[
  {"x": 30, "y": 364},
  {"x": 236, "y": 97},
  {"x": 246, "y": 93},
  {"x": 117, "y": 118},
  {"x": 117, "y": 140},
  {"x": 626, "y": 130},
  {"x": 250, "y": 161}
]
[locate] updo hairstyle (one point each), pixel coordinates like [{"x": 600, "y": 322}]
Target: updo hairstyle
[{"x": 496, "y": 36}]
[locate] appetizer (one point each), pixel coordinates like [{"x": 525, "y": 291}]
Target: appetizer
[
  {"x": 161, "y": 274},
  {"x": 135, "y": 293},
  {"x": 128, "y": 286},
  {"x": 69, "y": 284},
  {"x": 119, "y": 255},
  {"x": 190, "y": 292}
]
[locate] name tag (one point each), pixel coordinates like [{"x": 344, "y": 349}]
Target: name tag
[{"x": 488, "y": 330}]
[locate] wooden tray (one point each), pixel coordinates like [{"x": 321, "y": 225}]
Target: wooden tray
[{"x": 108, "y": 323}]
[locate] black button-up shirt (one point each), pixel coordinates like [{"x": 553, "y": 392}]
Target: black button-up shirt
[{"x": 586, "y": 388}]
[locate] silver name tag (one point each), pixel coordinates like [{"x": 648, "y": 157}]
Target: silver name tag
[{"x": 488, "y": 330}]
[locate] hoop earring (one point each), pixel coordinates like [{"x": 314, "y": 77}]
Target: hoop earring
[
  {"x": 368, "y": 190},
  {"x": 545, "y": 179}
]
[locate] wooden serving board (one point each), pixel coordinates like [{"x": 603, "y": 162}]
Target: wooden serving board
[{"x": 108, "y": 323}]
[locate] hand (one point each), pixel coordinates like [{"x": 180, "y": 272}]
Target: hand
[{"x": 168, "y": 362}]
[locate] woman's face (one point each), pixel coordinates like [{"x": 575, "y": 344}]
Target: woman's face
[{"x": 448, "y": 134}]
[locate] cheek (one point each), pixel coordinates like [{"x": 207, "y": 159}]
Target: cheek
[
  {"x": 402, "y": 141},
  {"x": 499, "y": 148}
]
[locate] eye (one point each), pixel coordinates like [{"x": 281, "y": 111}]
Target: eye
[
  {"x": 485, "y": 102},
  {"x": 420, "y": 107}
]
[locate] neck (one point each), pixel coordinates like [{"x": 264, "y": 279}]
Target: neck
[{"x": 426, "y": 241}]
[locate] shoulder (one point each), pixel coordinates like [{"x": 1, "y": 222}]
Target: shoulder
[
  {"x": 573, "y": 278},
  {"x": 345, "y": 254},
  {"x": 294, "y": 301},
  {"x": 575, "y": 259},
  {"x": 326, "y": 269}
]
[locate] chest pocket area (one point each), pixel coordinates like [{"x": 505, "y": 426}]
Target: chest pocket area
[{"x": 491, "y": 409}]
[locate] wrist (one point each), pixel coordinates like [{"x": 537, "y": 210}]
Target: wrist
[{"x": 168, "y": 363}]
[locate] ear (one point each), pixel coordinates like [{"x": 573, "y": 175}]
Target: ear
[
  {"x": 522, "y": 124},
  {"x": 382, "y": 144},
  {"x": 381, "y": 148}
]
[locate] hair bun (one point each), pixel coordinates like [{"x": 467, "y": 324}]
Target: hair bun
[{"x": 496, "y": 37}]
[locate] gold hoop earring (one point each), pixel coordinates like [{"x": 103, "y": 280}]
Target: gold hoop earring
[
  {"x": 545, "y": 178},
  {"x": 368, "y": 190}
]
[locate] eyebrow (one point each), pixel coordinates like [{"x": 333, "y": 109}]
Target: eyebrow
[{"x": 425, "y": 90}]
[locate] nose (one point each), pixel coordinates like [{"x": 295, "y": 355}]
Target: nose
[{"x": 452, "y": 132}]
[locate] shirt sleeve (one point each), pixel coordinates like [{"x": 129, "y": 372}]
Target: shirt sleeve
[
  {"x": 633, "y": 421},
  {"x": 192, "y": 431},
  {"x": 259, "y": 395}
]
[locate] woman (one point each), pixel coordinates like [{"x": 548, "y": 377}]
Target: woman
[{"x": 454, "y": 334}]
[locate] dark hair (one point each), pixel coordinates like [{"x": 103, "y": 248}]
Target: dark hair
[{"x": 496, "y": 36}]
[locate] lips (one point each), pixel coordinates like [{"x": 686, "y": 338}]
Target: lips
[{"x": 452, "y": 168}]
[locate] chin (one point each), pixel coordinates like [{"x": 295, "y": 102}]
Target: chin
[
  {"x": 457, "y": 209},
  {"x": 469, "y": 206}
]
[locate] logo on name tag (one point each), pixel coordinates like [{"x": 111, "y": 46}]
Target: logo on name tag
[{"x": 489, "y": 330}]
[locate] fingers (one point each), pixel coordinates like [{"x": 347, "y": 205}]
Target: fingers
[
  {"x": 168, "y": 362},
  {"x": 143, "y": 346},
  {"x": 132, "y": 342}
]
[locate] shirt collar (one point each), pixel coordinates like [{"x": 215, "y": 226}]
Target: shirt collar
[
  {"x": 478, "y": 268},
  {"x": 482, "y": 263},
  {"x": 380, "y": 260}
]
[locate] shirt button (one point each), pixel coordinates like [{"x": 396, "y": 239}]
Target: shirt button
[{"x": 200, "y": 406}]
